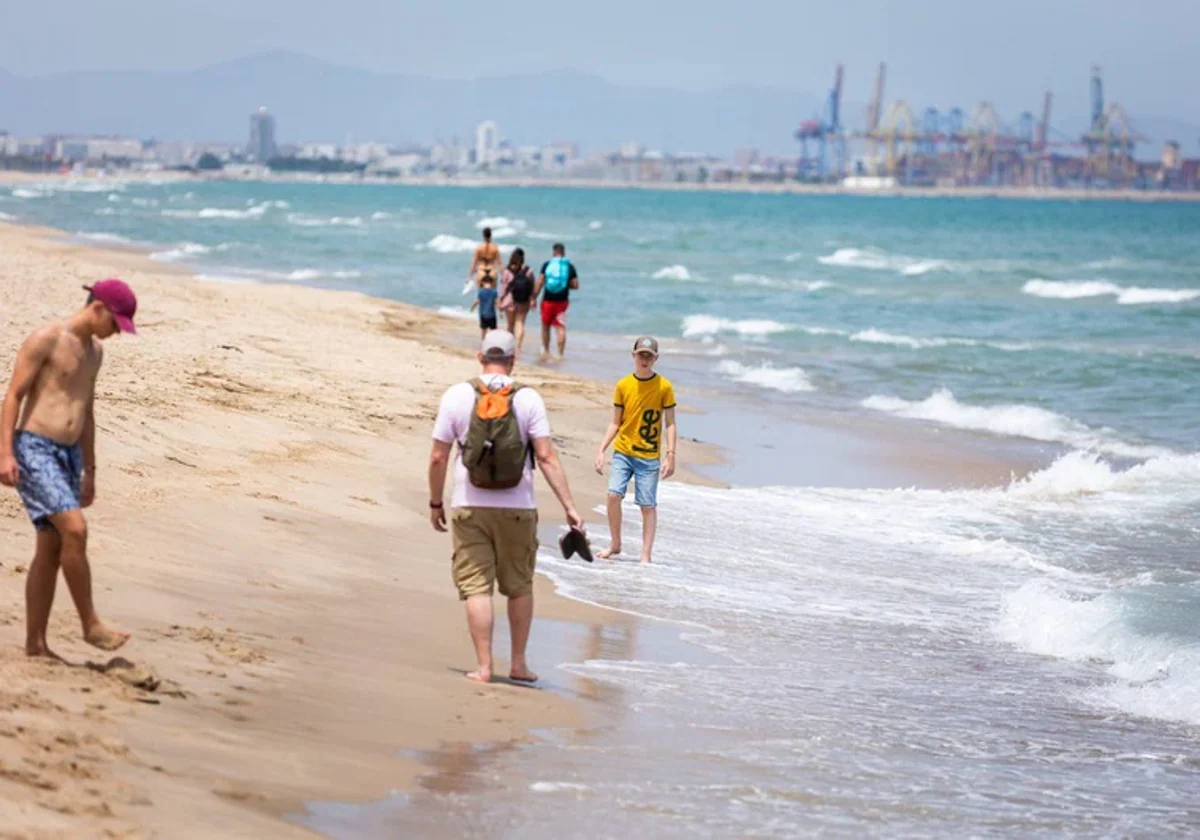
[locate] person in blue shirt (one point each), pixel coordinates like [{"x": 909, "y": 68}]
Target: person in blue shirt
[{"x": 485, "y": 300}]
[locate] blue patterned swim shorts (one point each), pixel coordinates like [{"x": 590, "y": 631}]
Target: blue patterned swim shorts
[{"x": 51, "y": 477}]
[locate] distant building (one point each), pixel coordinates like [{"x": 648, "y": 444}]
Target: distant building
[
  {"x": 262, "y": 136},
  {"x": 487, "y": 141},
  {"x": 98, "y": 149}
]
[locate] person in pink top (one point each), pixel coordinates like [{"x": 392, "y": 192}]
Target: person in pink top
[{"x": 495, "y": 530}]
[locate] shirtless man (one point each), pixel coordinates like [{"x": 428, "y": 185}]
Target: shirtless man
[
  {"x": 486, "y": 263},
  {"x": 48, "y": 452}
]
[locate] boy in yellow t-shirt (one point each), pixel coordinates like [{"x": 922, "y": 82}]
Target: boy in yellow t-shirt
[{"x": 643, "y": 406}]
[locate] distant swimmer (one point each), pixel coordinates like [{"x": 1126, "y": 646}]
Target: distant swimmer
[
  {"x": 486, "y": 262},
  {"x": 643, "y": 407},
  {"x": 48, "y": 453},
  {"x": 558, "y": 277}
]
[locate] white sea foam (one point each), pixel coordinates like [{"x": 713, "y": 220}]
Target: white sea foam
[
  {"x": 873, "y": 336},
  {"x": 303, "y": 220},
  {"x": 1086, "y": 474},
  {"x": 444, "y": 243},
  {"x": 1024, "y": 421},
  {"x": 557, "y": 787},
  {"x": 776, "y": 283},
  {"x": 673, "y": 272},
  {"x": 1134, "y": 296},
  {"x": 595, "y": 224},
  {"x": 1152, "y": 675},
  {"x": 456, "y": 312},
  {"x": 502, "y": 226},
  {"x": 347, "y": 275},
  {"x": 379, "y": 215},
  {"x": 1070, "y": 290},
  {"x": 304, "y": 274},
  {"x": 182, "y": 251},
  {"x": 107, "y": 238},
  {"x": 21, "y": 192},
  {"x": 789, "y": 380},
  {"x": 1127, "y": 296},
  {"x": 707, "y": 326},
  {"x": 5, "y": 217},
  {"x": 880, "y": 261}
]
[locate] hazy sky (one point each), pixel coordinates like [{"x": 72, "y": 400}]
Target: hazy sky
[{"x": 939, "y": 52}]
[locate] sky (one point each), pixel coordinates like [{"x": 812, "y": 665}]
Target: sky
[{"x": 939, "y": 52}]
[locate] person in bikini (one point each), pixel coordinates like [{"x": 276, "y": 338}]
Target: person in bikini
[
  {"x": 486, "y": 262},
  {"x": 48, "y": 453}
]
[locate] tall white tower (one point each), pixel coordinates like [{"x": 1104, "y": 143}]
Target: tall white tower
[
  {"x": 262, "y": 136},
  {"x": 487, "y": 139}
]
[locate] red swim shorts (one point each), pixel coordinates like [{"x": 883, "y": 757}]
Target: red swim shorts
[{"x": 554, "y": 313}]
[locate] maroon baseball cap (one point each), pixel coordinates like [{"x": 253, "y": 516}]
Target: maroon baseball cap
[{"x": 120, "y": 300}]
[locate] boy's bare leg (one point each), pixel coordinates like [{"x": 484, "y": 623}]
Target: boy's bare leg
[
  {"x": 479, "y": 623},
  {"x": 614, "y": 528},
  {"x": 545, "y": 339},
  {"x": 72, "y": 530},
  {"x": 39, "y": 592},
  {"x": 562, "y": 340},
  {"x": 649, "y": 529}
]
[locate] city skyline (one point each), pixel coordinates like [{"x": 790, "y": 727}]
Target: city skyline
[{"x": 324, "y": 102}]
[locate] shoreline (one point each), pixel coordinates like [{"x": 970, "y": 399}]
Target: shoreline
[
  {"x": 735, "y": 187},
  {"x": 297, "y": 418},
  {"x": 227, "y": 409}
]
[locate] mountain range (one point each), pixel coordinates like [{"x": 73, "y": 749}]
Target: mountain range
[{"x": 314, "y": 100}]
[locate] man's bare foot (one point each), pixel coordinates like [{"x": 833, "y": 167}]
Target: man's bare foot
[
  {"x": 483, "y": 675},
  {"x": 42, "y": 651},
  {"x": 644, "y": 560},
  {"x": 105, "y": 638},
  {"x": 523, "y": 675},
  {"x": 610, "y": 552}
]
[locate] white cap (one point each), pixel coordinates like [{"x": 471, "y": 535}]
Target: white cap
[{"x": 498, "y": 344}]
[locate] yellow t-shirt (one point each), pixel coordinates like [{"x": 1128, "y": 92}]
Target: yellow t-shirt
[{"x": 644, "y": 401}]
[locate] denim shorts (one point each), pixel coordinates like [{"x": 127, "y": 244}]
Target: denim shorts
[{"x": 644, "y": 473}]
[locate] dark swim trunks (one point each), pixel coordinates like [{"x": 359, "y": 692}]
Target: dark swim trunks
[{"x": 51, "y": 477}]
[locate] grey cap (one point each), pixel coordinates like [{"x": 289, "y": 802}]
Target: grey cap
[
  {"x": 498, "y": 344},
  {"x": 645, "y": 342}
]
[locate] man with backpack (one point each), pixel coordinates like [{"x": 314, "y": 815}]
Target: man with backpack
[
  {"x": 501, "y": 429},
  {"x": 557, "y": 279}
]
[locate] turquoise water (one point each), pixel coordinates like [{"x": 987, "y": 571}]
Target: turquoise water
[
  {"x": 1015, "y": 660},
  {"x": 1085, "y": 313}
]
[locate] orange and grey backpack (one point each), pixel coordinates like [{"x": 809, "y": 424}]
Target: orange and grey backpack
[{"x": 493, "y": 452}]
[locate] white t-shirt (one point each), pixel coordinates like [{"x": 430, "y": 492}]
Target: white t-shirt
[{"x": 453, "y": 420}]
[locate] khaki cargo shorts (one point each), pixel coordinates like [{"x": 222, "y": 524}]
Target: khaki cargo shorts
[{"x": 494, "y": 546}]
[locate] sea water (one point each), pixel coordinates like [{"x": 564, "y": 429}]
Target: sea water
[{"x": 1019, "y": 659}]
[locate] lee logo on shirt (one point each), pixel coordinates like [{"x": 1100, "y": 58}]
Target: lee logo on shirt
[{"x": 649, "y": 431}]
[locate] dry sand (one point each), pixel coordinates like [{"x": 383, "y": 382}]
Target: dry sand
[{"x": 261, "y": 527}]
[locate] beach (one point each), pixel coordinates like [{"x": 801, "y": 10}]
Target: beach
[
  {"x": 261, "y": 527},
  {"x": 930, "y": 570}
]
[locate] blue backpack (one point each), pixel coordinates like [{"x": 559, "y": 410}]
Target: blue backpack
[{"x": 558, "y": 275}]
